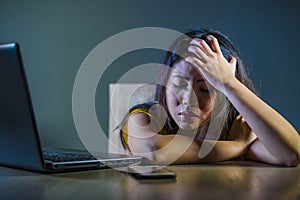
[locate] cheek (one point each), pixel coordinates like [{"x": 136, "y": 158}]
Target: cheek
[
  {"x": 206, "y": 103},
  {"x": 171, "y": 99}
]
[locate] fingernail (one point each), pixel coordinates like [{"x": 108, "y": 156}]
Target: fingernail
[
  {"x": 209, "y": 37},
  {"x": 188, "y": 59}
]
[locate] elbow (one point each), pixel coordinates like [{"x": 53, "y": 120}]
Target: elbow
[
  {"x": 293, "y": 160},
  {"x": 159, "y": 158},
  {"x": 296, "y": 160}
]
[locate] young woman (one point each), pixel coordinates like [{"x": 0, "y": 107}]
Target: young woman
[{"x": 206, "y": 82}]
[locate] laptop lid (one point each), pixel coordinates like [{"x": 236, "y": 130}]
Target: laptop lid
[{"x": 19, "y": 141}]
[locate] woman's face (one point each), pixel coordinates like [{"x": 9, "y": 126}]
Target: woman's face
[{"x": 190, "y": 99}]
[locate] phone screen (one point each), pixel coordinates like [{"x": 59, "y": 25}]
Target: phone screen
[{"x": 151, "y": 172}]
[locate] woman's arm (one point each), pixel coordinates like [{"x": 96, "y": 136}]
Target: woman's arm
[
  {"x": 178, "y": 149},
  {"x": 278, "y": 142}
]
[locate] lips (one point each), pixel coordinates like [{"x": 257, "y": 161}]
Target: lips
[{"x": 188, "y": 114}]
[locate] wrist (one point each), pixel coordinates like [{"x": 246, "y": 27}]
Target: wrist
[
  {"x": 242, "y": 147},
  {"x": 230, "y": 86}
]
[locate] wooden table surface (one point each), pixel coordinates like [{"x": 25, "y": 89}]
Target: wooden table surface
[{"x": 226, "y": 180}]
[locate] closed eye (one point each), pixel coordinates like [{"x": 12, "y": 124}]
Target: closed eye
[{"x": 179, "y": 85}]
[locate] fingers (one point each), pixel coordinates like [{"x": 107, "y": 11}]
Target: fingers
[
  {"x": 201, "y": 50},
  {"x": 232, "y": 61},
  {"x": 202, "y": 45},
  {"x": 233, "y": 64},
  {"x": 242, "y": 122},
  {"x": 214, "y": 44},
  {"x": 194, "y": 61},
  {"x": 238, "y": 117},
  {"x": 198, "y": 52}
]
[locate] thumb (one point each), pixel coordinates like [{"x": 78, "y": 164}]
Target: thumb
[{"x": 233, "y": 64}]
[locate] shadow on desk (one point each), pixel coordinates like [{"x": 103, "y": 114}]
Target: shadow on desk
[
  {"x": 245, "y": 163},
  {"x": 14, "y": 172}
]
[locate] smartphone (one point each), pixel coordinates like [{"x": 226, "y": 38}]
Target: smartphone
[{"x": 150, "y": 172}]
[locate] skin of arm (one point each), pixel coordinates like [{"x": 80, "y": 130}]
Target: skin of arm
[
  {"x": 179, "y": 149},
  {"x": 277, "y": 140}
]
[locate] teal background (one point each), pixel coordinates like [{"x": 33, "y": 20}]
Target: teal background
[{"x": 55, "y": 37}]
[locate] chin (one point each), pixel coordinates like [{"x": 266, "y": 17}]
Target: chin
[{"x": 189, "y": 128}]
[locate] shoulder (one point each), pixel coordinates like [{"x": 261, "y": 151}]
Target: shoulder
[
  {"x": 143, "y": 115},
  {"x": 140, "y": 115},
  {"x": 139, "y": 118}
]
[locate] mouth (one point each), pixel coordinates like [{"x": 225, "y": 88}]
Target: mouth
[{"x": 187, "y": 114}]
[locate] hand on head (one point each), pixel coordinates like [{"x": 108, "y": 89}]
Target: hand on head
[{"x": 211, "y": 62}]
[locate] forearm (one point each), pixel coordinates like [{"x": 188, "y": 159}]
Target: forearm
[
  {"x": 181, "y": 150},
  {"x": 275, "y": 133}
]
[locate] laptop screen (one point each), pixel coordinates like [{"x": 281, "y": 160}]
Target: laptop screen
[{"x": 19, "y": 142}]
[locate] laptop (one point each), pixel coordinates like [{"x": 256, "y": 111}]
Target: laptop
[{"x": 20, "y": 145}]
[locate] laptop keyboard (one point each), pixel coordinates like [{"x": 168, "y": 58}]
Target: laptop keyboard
[{"x": 56, "y": 156}]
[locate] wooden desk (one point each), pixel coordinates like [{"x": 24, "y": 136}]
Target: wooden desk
[{"x": 227, "y": 180}]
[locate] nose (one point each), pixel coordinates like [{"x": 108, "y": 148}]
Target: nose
[{"x": 189, "y": 97}]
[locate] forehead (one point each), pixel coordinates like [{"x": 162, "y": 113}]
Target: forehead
[{"x": 186, "y": 70}]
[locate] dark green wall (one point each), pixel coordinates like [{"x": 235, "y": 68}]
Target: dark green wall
[{"x": 55, "y": 37}]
